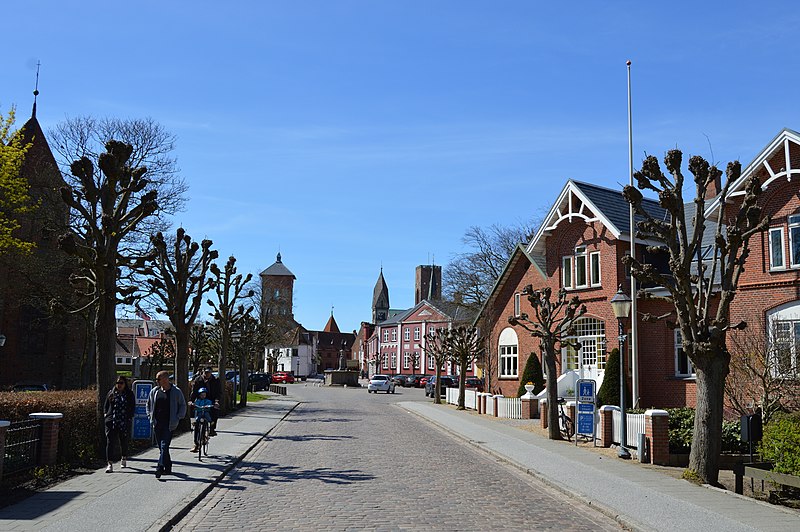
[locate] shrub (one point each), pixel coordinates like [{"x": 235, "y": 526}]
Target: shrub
[
  {"x": 781, "y": 443},
  {"x": 77, "y": 437},
  {"x": 533, "y": 374},
  {"x": 681, "y": 429},
  {"x": 608, "y": 394}
]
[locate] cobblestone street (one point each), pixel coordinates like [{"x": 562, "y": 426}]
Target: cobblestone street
[{"x": 345, "y": 459}]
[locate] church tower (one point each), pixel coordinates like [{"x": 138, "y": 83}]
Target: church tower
[
  {"x": 380, "y": 300},
  {"x": 277, "y": 289},
  {"x": 428, "y": 283}
]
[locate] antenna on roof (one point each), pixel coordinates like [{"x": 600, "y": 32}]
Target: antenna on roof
[{"x": 36, "y": 89}]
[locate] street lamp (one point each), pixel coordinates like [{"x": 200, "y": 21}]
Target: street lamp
[{"x": 621, "y": 304}]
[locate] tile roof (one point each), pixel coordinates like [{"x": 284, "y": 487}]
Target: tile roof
[{"x": 278, "y": 269}]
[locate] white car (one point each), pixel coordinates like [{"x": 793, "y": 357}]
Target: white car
[{"x": 380, "y": 383}]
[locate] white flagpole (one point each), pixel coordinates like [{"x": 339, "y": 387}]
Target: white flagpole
[{"x": 634, "y": 328}]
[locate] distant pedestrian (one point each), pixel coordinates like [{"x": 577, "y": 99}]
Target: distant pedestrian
[
  {"x": 118, "y": 412},
  {"x": 213, "y": 392},
  {"x": 165, "y": 408}
]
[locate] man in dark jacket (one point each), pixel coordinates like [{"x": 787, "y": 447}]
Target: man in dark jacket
[{"x": 208, "y": 381}]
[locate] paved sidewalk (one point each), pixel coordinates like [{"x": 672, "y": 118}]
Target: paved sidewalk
[
  {"x": 639, "y": 498},
  {"x": 132, "y": 498}
]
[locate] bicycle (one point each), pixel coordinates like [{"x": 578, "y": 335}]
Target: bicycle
[
  {"x": 201, "y": 433},
  {"x": 565, "y": 423}
]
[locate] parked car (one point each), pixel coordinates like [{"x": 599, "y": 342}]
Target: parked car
[
  {"x": 283, "y": 377},
  {"x": 423, "y": 380},
  {"x": 31, "y": 387},
  {"x": 399, "y": 380},
  {"x": 445, "y": 382},
  {"x": 380, "y": 383},
  {"x": 474, "y": 382},
  {"x": 415, "y": 381},
  {"x": 259, "y": 381}
]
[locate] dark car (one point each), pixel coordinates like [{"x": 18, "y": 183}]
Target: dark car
[
  {"x": 474, "y": 382},
  {"x": 415, "y": 381},
  {"x": 444, "y": 383},
  {"x": 400, "y": 380},
  {"x": 259, "y": 381},
  {"x": 31, "y": 387}
]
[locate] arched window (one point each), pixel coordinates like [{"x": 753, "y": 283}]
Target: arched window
[
  {"x": 508, "y": 349},
  {"x": 591, "y": 334},
  {"x": 783, "y": 338}
]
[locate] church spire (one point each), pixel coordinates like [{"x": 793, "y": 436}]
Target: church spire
[
  {"x": 36, "y": 89},
  {"x": 380, "y": 300}
]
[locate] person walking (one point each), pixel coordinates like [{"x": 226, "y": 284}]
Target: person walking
[
  {"x": 213, "y": 392},
  {"x": 118, "y": 411},
  {"x": 165, "y": 408}
]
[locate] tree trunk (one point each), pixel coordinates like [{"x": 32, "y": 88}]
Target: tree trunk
[
  {"x": 437, "y": 386},
  {"x": 462, "y": 382},
  {"x": 553, "y": 430},
  {"x": 106, "y": 339},
  {"x": 223, "y": 356},
  {"x": 712, "y": 369},
  {"x": 182, "y": 366},
  {"x": 244, "y": 367}
]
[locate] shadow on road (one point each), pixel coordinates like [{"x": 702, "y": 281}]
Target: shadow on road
[{"x": 259, "y": 473}]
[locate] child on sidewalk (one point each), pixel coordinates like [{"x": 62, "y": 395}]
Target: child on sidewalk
[{"x": 202, "y": 410}]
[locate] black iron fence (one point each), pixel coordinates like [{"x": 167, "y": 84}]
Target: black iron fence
[{"x": 23, "y": 439}]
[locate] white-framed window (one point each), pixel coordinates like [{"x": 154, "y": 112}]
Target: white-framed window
[
  {"x": 517, "y": 299},
  {"x": 431, "y": 330},
  {"x": 406, "y": 334},
  {"x": 508, "y": 350},
  {"x": 394, "y": 335},
  {"x": 683, "y": 366},
  {"x": 394, "y": 360},
  {"x": 124, "y": 361},
  {"x": 783, "y": 340},
  {"x": 794, "y": 240},
  {"x": 406, "y": 360},
  {"x": 566, "y": 272},
  {"x": 416, "y": 333},
  {"x": 385, "y": 335},
  {"x": 416, "y": 359},
  {"x": 431, "y": 362},
  {"x": 581, "y": 279},
  {"x": 777, "y": 255},
  {"x": 591, "y": 334},
  {"x": 594, "y": 268},
  {"x": 385, "y": 361}
]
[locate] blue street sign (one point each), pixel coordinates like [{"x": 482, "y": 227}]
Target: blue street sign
[
  {"x": 141, "y": 423},
  {"x": 586, "y": 390},
  {"x": 586, "y": 423},
  {"x": 585, "y": 407},
  {"x": 141, "y": 428}
]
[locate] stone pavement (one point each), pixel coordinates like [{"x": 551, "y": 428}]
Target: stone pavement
[
  {"x": 639, "y": 498},
  {"x": 132, "y": 498}
]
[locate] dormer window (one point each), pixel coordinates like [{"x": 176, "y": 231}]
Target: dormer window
[{"x": 581, "y": 270}]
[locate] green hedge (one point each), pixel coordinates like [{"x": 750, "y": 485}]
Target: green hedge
[
  {"x": 77, "y": 436},
  {"x": 681, "y": 429},
  {"x": 781, "y": 443}
]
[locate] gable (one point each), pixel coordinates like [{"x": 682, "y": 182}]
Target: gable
[{"x": 425, "y": 312}]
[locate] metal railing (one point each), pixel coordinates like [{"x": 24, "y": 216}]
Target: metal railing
[
  {"x": 635, "y": 425},
  {"x": 23, "y": 439}
]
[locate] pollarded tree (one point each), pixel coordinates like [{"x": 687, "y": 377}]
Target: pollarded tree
[
  {"x": 230, "y": 289},
  {"x": 109, "y": 205},
  {"x": 553, "y": 323},
  {"x": 177, "y": 275},
  {"x": 437, "y": 347},
  {"x": 701, "y": 283},
  {"x": 464, "y": 345}
]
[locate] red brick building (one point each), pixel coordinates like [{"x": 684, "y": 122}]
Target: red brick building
[{"x": 579, "y": 247}]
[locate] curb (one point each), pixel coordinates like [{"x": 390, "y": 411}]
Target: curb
[
  {"x": 627, "y": 523},
  {"x": 163, "y": 526}
]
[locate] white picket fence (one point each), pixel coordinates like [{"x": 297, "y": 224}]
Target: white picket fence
[
  {"x": 470, "y": 398},
  {"x": 635, "y": 425},
  {"x": 507, "y": 407}
]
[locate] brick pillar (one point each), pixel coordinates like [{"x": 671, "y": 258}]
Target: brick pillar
[
  {"x": 657, "y": 432},
  {"x": 543, "y": 413},
  {"x": 3, "y": 427},
  {"x": 48, "y": 448},
  {"x": 571, "y": 413},
  {"x": 529, "y": 407},
  {"x": 607, "y": 425}
]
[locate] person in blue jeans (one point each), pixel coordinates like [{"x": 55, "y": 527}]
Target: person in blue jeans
[
  {"x": 202, "y": 410},
  {"x": 166, "y": 406}
]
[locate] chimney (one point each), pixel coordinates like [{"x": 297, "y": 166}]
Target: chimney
[{"x": 714, "y": 188}]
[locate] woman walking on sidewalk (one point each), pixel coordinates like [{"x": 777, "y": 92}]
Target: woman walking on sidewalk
[
  {"x": 118, "y": 409},
  {"x": 165, "y": 408}
]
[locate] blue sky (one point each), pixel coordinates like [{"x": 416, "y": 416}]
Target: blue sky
[{"x": 354, "y": 134}]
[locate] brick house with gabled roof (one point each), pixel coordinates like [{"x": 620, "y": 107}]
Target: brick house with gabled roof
[{"x": 579, "y": 247}]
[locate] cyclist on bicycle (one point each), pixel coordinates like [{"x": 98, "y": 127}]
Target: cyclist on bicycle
[{"x": 202, "y": 410}]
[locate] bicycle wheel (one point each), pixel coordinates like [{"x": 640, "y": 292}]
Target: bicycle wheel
[
  {"x": 202, "y": 438},
  {"x": 569, "y": 428},
  {"x": 205, "y": 440}
]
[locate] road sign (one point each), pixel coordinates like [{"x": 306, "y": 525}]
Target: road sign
[
  {"x": 586, "y": 390},
  {"x": 586, "y": 406},
  {"x": 141, "y": 423}
]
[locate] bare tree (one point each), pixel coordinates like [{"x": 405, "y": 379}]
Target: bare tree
[
  {"x": 553, "y": 323},
  {"x": 159, "y": 355},
  {"x": 470, "y": 276},
  {"x": 110, "y": 206},
  {"x": 701, "y": 282},
  {"x": 177, "y": 275},
  {"x": 464, "y": 345},
  {"x": 230, "y": 288},
  {"x": 437, "y": 347}
]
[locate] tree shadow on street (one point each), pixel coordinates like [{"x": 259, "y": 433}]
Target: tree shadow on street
[{"x": 265, "y": 473}]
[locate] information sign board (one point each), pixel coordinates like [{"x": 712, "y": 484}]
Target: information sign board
[
  {"x": 586, "y": 394},
  {"x": 141, "y": 423}
]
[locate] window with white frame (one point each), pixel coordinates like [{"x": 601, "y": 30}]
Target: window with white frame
[
  {"x": 406, "y": 360},
  {"x": 508, "y": 350},
  {"x": 394, "y": 360},
  {"x": 431, "y": 362},
  {"x": 594, "y": 268},
  {"x": 517, "y": 299},
  {"x": 566, "y": 272},
  {"x": 385, "y": 361},
  {"x": 416, "y": 359},
  {"x": 124, "y": 361},
  {"x": 385, "y": 335},
  {"x": 683, "y": 366},
  {"x": 431, "y": 330},
  {"x": 794, "y": 240},
  {"x": 581, "y": 279},
  {"x": 777, "y": 258},
  {"x": 406, "y": 334},
  {"x": 416, "y": 333},
  {"x": 394, "y": 335},
  {"x": 590, "y": 333},
  {"x": 784, "y": 340}
]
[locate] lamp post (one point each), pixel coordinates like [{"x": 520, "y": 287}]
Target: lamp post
[{"x": 621, "y": 304}]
